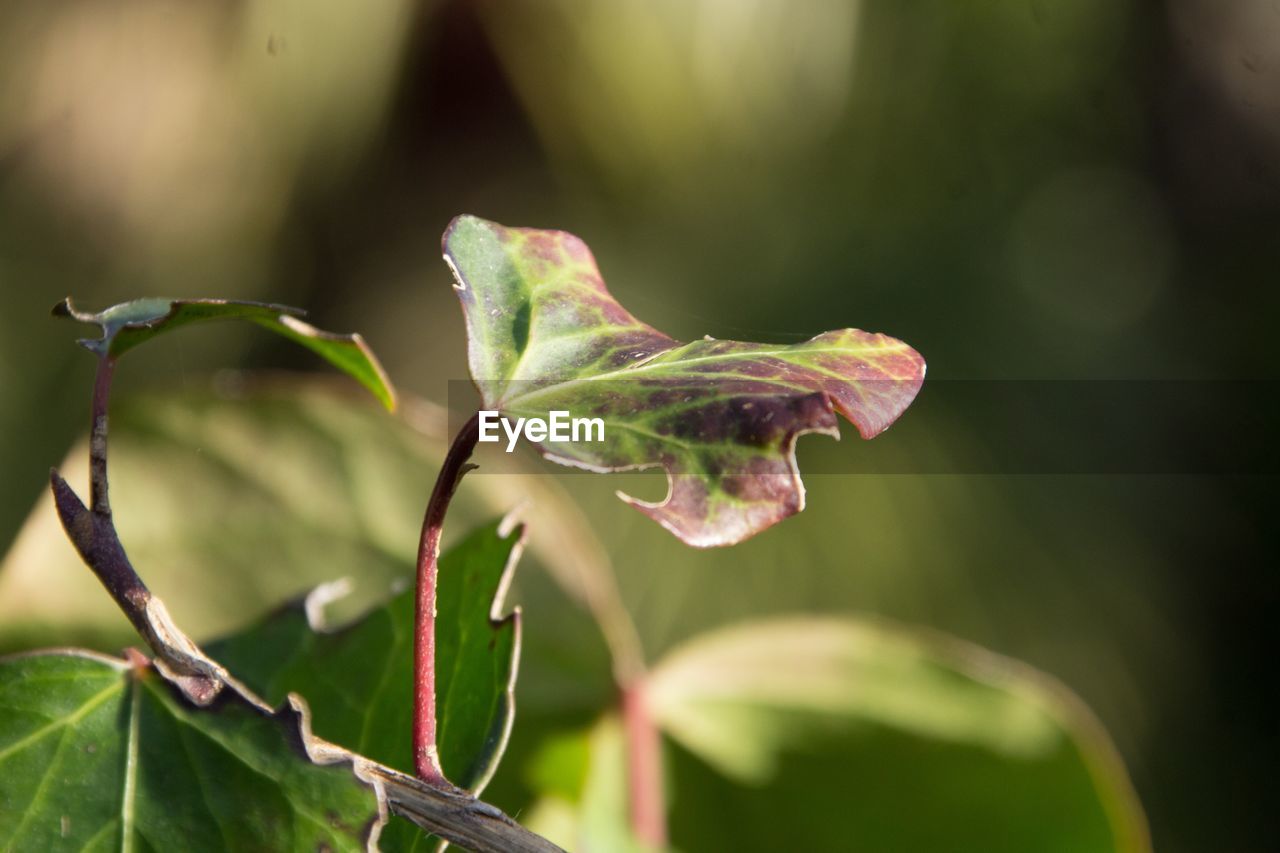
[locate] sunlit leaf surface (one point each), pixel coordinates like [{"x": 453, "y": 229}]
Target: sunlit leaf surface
[
  {"x": 721, "y": 417},
  {"x": 98, "y": 755}
]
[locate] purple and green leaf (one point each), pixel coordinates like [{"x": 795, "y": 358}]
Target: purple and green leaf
[{"x": 721, "y": 417}]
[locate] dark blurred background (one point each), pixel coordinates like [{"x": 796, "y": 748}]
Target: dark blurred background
[{"x": 1028, "y": 190}]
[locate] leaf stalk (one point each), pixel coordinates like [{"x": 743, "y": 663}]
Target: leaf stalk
[
  {"x": 646, "y": 798},
  {"x": 426, "y": 754},
  {"x": 91, "y": 529}
]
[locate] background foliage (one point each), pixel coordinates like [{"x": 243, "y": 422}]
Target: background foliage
[{"x": 1023, "y": 190}]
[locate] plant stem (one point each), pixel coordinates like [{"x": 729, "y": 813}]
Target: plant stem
[
  {"x": 98, "y": 436},
  {"x": 644, "y": 768},
  {"x": 93, "y": 532},
  {"x": 426, "y": 756},
  {"x": 456, "y": 816}
]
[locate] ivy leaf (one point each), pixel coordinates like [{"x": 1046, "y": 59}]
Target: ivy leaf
[
  {"x": 129, "y": 324},
  {"x": 721, "y": 417},
  {"x": 206, "y": 685},
  {"x": 97, "y": 754},
  {"x": 923, "y": 727},
  {"x": 804, "y": 733},
  {"x": 359, "y": 678}
]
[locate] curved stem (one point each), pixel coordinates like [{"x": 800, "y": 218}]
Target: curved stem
[
  {"x": 93, "y": 532},
  {"x": 426, "y": 756}
]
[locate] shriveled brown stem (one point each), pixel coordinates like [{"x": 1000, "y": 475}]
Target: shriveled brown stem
[
  {"x": 98, "y": 501},
  {"x": 91, "y": 529},
  {"x": 426, "y": 756},
  {"x": 458, "y": 818},
  {"x": 94, "y": 537},
  {"x": 92, "y": 532}
]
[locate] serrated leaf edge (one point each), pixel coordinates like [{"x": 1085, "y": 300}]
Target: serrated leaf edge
[{"x": 313, "y": 606}]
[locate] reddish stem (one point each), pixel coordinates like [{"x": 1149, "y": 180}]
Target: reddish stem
[
  {"x": 426, "y": 756},
  {"x": 644, "y": 768}
]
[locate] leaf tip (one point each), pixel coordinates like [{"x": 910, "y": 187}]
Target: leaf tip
[
  {"x": 462, "y": 230},
  {"x": 367, "y": 369},
  {"x": 463, "y": 225},
  {"x": 380, "y": 385}
]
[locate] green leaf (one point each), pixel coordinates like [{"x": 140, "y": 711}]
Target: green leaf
[
  {"x": 582, "y": 776},
  {"x": 129, "y": 324},
  {"x": 721, "y": 417},
  {"x": 359, "y": 678},
  {"x": 234, "y": 499},
  {"x": 917, "y": 741},
  {"x": 98, "y": 755},
  {"x": 837, "y": 734}
]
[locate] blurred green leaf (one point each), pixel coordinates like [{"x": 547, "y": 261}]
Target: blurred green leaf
[
  {"x": 834, "y": 734},
  {"x": 359, "y": 679},
  {"x": 98, "y": 755},
  {"x": 917, "y": 741},
  {"x": 582, "y": 779},
  {"x": 234, "y": 499},
  {"x": 129, "y": 324},
  {"x": 721, "y": 417}
]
